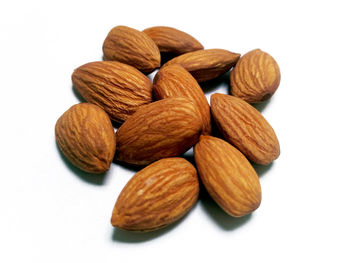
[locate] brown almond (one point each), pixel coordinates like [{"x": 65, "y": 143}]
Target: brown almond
[
  {"x": 206, "y": 64},
  {"x": 132, "y": 47},
  {"x": 175, "y": 81},
  {"x": 256, "y": 77},
  {"x": 118, "y": 88},
  {"x": 161, "y": 129},
  {"x": 157, "y": 196},
  {"x": 244, "y": 127},
  {"x": 228, "y": 176},
  {"x": 85, "y": 135},
  {"x": 171, "y": 40}
]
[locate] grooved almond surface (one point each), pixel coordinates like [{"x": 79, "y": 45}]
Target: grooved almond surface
[
  {"x": 228, "y": 176},
  {"x": 206, "y": 64},
  {"x": 85, "y": 135},
  {"x": 256, "y": 77},
  {"x": 157, "y": 196},
  {"x": 171, "y": 40},
  {"x": 175, "y": 81},
  {"x": 116, "y": 87},
  {"x": 244, "y": 127},
  {"x": 132, "y": 47},
  {"x": 161, "y": 129}
]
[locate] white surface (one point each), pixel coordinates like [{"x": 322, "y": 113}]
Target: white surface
[{"x": 50, "y": 212}]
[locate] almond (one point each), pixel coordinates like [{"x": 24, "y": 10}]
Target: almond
[
  {"x": 85, "y": 135},
  {"x": 157, "y": 196},
  {"x": 256, "y": 77},
  {"x": 164, "y": 128},
  {"x": 175, "y": 81},
  {"x": 206, "y": 64},
  {"x": 244, "y": 127},
  {"x": 228, "y": 176},
  {"x": 116, "y": 87},
  {"x": 171, "y": 40},
  {"x": 132, "y": 47}
]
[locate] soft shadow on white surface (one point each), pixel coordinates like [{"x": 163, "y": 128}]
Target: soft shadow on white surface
[
  {"x": 124, "y": 236},
  {"x": 211, "y": 86},
  {"x": 261, "y": 105},
  {"x": 261, "y": 170},
  {"x": 221, "y": 218},
  {"x": 96, "y": 179},
  {"x": 77, "y": 95}
]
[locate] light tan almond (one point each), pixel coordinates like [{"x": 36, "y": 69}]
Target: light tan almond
[
  {"x": 228, "y": 176},
  {"x": 256, "y": 77},
  {"x": 85, "y": 135},
  {"x": 206, "y": 64},
  {"x": 175, "y": 81},
  {"x": 157, "y": 196},
  {"x": 244, "y": 127},
  {"x": 171, "y": 40},
  {"x": 164, "y": 128},
  {"x": 132, "y": 47},
  {"x": 116, "y": 87}
]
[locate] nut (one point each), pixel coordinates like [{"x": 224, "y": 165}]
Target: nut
[
  {"x": 228, "y": 176},
  {"x": 206, "y": 64},
  {"x": 85, "y": 135},
  {"x": 244, "y": 127},
  {"x": 175, "y": 81},
  {"x": 132, "y": 47},
  {"x": 157, "y": 196},
  {"x": 161, "y": 129},
  {"x": 256, "y": 77},
  {"x": 116, "y": 87}
]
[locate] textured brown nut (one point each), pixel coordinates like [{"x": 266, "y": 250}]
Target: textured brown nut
[
  {"x": 157, "y": 196},
  {"x": 175, "y": 81},
  {"x": 116, "y": 87},
  {"x": 132, "y": 47},
  {"x": 244, "y": 127},
  {"x": 85, "y": 135},
  {"x": 228, "y": 176},
  {"x": 171, "y": 40},
  {"x": 206, "y": 64},
  {"x": 164, "y": 128},
  {"x": 256, "y": 77}
]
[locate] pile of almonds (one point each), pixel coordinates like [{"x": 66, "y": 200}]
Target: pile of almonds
[{"x": 160, "y": 121}]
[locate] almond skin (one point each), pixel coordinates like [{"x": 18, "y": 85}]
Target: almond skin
[
  {"x": 132, "y": 47},
  {"x": 116, "y": 87},
  {"x": 175, "y": 81},
  {"x": 157, "y": 196},
  {"x": 85, "y": 135},
  {"x": 206, "y": 64},
  {"x": 228, "y": 176},
  {"x": 165, "y": 128},
  {"x": 256, "y": 77},
  {"x": 244, "y": 127},
  {"x": 171, "y": 40}
]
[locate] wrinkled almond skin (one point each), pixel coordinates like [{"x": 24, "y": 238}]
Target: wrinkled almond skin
[
  {"x": 132, "y": 47},
  {"x": 157, "y": 196},
  {"x": 206, "y": 64},
  {"x": 171, "y": 40},
  {"x": 116, "y": 87},
  {"x": 244, "y": 127},
  {"x": 85, "y": 135},
  {"x": 175, "y": 81},
  {"x": 256, "y": 77},
  {"x": 228, "y": 176},
  {"x": 161, "y": 129}
]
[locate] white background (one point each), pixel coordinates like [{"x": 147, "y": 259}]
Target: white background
[{"x": 51, "y": 212}]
